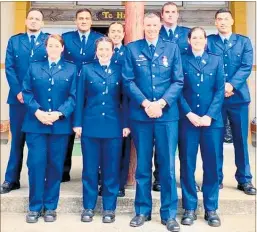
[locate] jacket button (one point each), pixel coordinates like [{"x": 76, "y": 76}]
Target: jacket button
[
  {"x": 49, "y": 110},
  {"x": 198, "y": 105},
  {"x": 49, "y": 89},
  {"x": 103, "y": 93},
  {"x": 104, "y": 82},
  {"x": 198, "y": 84},
  {"x": 49, "y": 79},
  {"x": 103, "y": 103},
  {"x": 153, "y": 65},
  {"x": 198, "y": 74},
  {"x": 49, "y": 99},
  {"x": 153, "y": 76},
  {"x": 226, "y": 55},
  {"x": 198, "y": 95},
  {"x": 103, "y": 114},
  {"x": 225, "y": 64},
  {"x": 115, "y": 61},
  {"x": 154, "y": 99},
  {"x": 153, "y": 87}
]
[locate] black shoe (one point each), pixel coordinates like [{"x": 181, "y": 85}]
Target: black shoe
[
  {"x": 108, "y": 216},
  {"x": 50, "y": 216},
  {"x": 188, "y": 217},
  {"x": 139, "y": 220},
  {"x": 247, "y": 188},
  {"x": 156, "y": 186},
  {"x": 100, "y": 191},
  {"x": 212, "y": 218},
  {"x": 32, "y": 216},
  {"x": 171, "y": 225},
  {"x": 7, "y": 187},
  {"x": 221, "y": 186},
  {"x": 65, "y": 177},
  {"x": 198, "y": 189},
  {"x": 121, "y": 192},
  {"x": 87, "y": 215}
]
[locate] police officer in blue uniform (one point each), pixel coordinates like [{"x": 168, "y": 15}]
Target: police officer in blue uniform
[
  {"x": 201, "y": 124},
  {"x": 172, "y": 32},
  {"x": 116, "y": 34},
  {"x": 153, "y": 80},
  {"x": 49, "y": 91},
  {"x": 170, "y": 29},
  {"x": 101, "y": 121},
  {"x": 22, "y": 49},
  {"x": 237, "y": 53},
  {"x": 79, "y": 48}
]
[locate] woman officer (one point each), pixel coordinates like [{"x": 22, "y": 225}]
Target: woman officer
[
  {"x": 49, "y": 92},
  {"x": 201, "y": 122},
  {"x": 100, "y": 120}
]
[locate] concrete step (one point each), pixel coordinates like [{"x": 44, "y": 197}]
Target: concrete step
[{"x": 232, "y": 201}]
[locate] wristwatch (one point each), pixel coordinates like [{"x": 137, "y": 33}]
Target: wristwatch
[
  {"x": 162, "y": 105},
  {"x": 61, "y": 116}
]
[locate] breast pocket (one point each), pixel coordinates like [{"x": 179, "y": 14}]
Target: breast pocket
[
  {"x": 210, "y": 76},
  {"x": 236, "y": 57}
]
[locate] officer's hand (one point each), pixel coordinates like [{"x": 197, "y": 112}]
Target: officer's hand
[
  {"x": 43, "y": 117},
  {"x": 20, "y": 97},
  {"x": 125, "y": 132},
  {"x": 154, "y": 111},
  {"x": 78, "y": 131},
  {"x": 229, "y": 94},
  {"x": 206, "y": 120},
  {"x": 194, "y": 119},
  {"x": 228, "y": 87},
  {"x": 53, "y": 116}
]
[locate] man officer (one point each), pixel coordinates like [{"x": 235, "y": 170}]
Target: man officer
[
  {"x": 177, "y": 34},
  {"x": 116, "y": 34},
  {"x": 237, "y": 53},
  {"x": 79, "y": 48},
  {"x": 22, "y": 49},
  {"x": 153, "y": 80}
]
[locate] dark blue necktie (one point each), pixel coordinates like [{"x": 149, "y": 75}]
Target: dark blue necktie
[
  {"x": 152, "y": 49},
  {"x": 116, "y": 50},
  {"x": 198, "y": 59},
  {"x": 170, "y": 34},
  {"x": 105, "y": 67},
  {"x": 53, "y": 65},
  {"x": 226, "y": 43},
  {"x": 32, "y": 43},
  {"x": 83, "y": 47}
]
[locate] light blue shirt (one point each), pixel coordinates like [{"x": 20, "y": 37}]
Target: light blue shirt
[
  {"x": 154, "y": 43},
  {"x": 224, "y": 37},
  {"x": 50, "y": 62},
  {"x": 85, "y": 34},
  {"x": 173, "y": 28},
  {"x": 198, "y": 53},
  {"x": 35, "y": 34}
]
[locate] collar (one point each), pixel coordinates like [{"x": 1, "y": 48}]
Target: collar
[
  {"x": 35, "y": 34},
  {"x": 153, "y": 42},
  {"x": 225, "y": 37},
  {"x": 198, "y": 53},
  {"x": 173, "y": 28},
  {"x": 118, "y": 46},
  {"x": 86, "y": 34},
  {"x": 55, "y": 61},
  {"x": 108, "y": 64}
]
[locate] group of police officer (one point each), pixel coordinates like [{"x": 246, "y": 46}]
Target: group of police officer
[{"x": 171, "y": 102}]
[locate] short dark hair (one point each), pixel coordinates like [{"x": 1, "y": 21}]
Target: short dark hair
[
  {"x": 35, "y": 9},
  {"x": 223, "y": 10},
  {"x": 83, "y": 10},
  {"x": 169, "y": 4},
  {"x": 104, "y": 39},
  {"x": 194, "y": 29},
  {"x": 55, "y": 36},
  {"x": 115, "y": 23}
]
